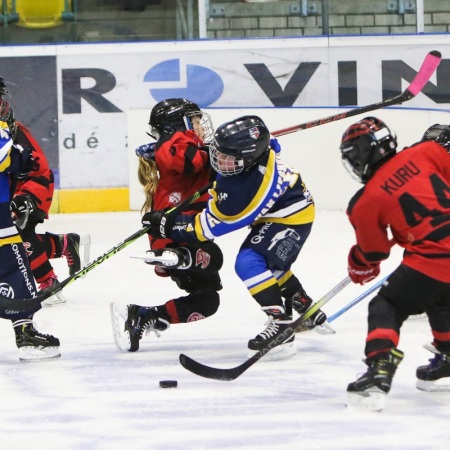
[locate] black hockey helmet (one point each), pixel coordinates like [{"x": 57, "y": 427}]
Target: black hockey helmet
[
  {"x": 238, "y": 145},
  {"x": 365, "y": 146},
  {"x": 176, "y": 114},
  {"x": 438, "y": 133},
  {"x": 6, "y": 111}
]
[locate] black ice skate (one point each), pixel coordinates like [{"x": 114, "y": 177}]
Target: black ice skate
[
  {"x": 71, "y": 244},
  {"x": 369, "y": 391},
  {"x": 34, "y": 346},
  {"x": 130, "y": 322},
  {"x": 435, "y": 376},
  {"x": 276, "y": 326},
  {"x": 301, "y": 301},
  {"x": 56, "y": 299},
  {"x": 169, "y": 258}
]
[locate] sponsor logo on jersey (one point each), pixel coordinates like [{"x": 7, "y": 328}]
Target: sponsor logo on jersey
[
  {"x": 175, "y": 198},
  {"x": 260, "y": 236},
  {"x": 289, "y": 232},
  {"x": 222, "y": 196},
  {"x": 195, "y": 316},
  {"x": 23, "y": 269},
  {"x": 202, "y": 259},
  {"x": 28, "y": 248},
  {"x": 6, "y": 290}
]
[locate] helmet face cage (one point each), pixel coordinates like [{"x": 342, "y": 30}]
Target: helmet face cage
[
  {"x": 178, "y": 114},
  {"x": 6, "y": 111},
  {"x": 354, "y": 158},
  {"x": 201, "y": 123},
  {"x": 238, "y": 145},
  {"x": 364, "y": 145},
  {"x": 440, "y": 134},
  {"x": 226, "y": 165}
]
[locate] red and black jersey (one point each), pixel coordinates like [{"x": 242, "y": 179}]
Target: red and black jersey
[
  {"x": 183, "y": 166},
  {"x": 410, "y": 194},
  {"x": 40, "y": 182}
]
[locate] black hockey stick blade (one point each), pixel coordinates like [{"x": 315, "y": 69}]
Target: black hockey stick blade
[
  {"x": 234, "y": 372},
  {"x": 216, "y": 373},
  {"x": 429, "y": 66},
  {"x": 24, "y": 304}
]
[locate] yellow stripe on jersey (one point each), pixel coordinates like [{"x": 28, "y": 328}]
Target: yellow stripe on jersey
[
  {"x": 282, "y": 280},
  {"x": 5, "y": 150},
  {"x": 5, "y": 163},
  {"x": 198, "y": 229},
  {"x": 306, "y": 215},
  {"x": 260, "y": 287},
  {"x": 256, "y": 201},
  {"x": 10, "y": 240}
]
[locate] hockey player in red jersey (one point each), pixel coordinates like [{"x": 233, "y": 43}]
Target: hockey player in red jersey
[
  {"x": 409, "y": 193},
  {"x": 30, "y": 205},
  {"x": 171, "y": 170}
]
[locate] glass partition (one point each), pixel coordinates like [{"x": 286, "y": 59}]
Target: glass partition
[{"x": 68, "y": 21}]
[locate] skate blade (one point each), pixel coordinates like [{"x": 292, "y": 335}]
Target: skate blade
[
  {"x": 369, "y": 400},
  {"x": 280, "y": 352},
  {"x": 418, "y": 316},
  {"x": 441, "y": 385},
  {"x": 54, "y": 300},
  {"x": 85, "y": 242},
  {"x": 35, "y": 354},
  {"x": 118, "y": 317},
  {"x": 324, "y": 329},
  {"x": 167, "y": 259},
  {"x": 431, "y": 348}
]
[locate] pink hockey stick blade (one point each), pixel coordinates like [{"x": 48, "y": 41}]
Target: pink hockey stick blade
[{"x": 429, "y": 65}]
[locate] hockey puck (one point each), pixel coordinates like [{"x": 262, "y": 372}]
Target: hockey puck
[{"x": 168, "y": 384}]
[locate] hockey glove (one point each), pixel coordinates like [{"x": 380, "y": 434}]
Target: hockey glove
[
  {"x": 361, "y": 273},
  {"x": 22, "y": 206},
  {"x": 160, "y": 224},
  {"x": 275, "y": 145}
]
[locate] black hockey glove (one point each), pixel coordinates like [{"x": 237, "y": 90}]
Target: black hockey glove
[
  {"x": 22, "y": 206},
  {"x": 160, "y": 224}
]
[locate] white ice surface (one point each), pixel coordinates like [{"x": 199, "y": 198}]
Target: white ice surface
[{"x": 97, "y": 398}]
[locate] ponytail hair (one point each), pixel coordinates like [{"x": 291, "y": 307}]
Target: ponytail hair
[{"x": 148, "y": 177}]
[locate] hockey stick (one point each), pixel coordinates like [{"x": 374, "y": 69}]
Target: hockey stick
[
  {"x": 429, "y": 65},
  {"x": 25, "y": 304},
  {"x": 356, "y": 300},
  {"x": 234, "y": 372}
]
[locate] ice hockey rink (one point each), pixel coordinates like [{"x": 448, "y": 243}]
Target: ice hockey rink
[{"x": 97, "y": 398}]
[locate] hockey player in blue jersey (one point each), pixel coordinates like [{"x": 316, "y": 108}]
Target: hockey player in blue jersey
[
  {"x": 254, "y": 188},
  {"x": 16, "y": 278}
]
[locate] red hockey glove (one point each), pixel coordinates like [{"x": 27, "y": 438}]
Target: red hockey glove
[{"x": 360, "y": 273}]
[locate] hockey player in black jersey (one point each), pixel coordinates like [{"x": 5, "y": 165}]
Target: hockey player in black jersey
[{"x": 254, "y": 188}]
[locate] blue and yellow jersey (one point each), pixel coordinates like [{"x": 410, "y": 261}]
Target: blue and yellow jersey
[
  {"x": 269, "y": 192},
  {"x": 8, "y": 231},
  {"x": 5, "y": 149}
]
